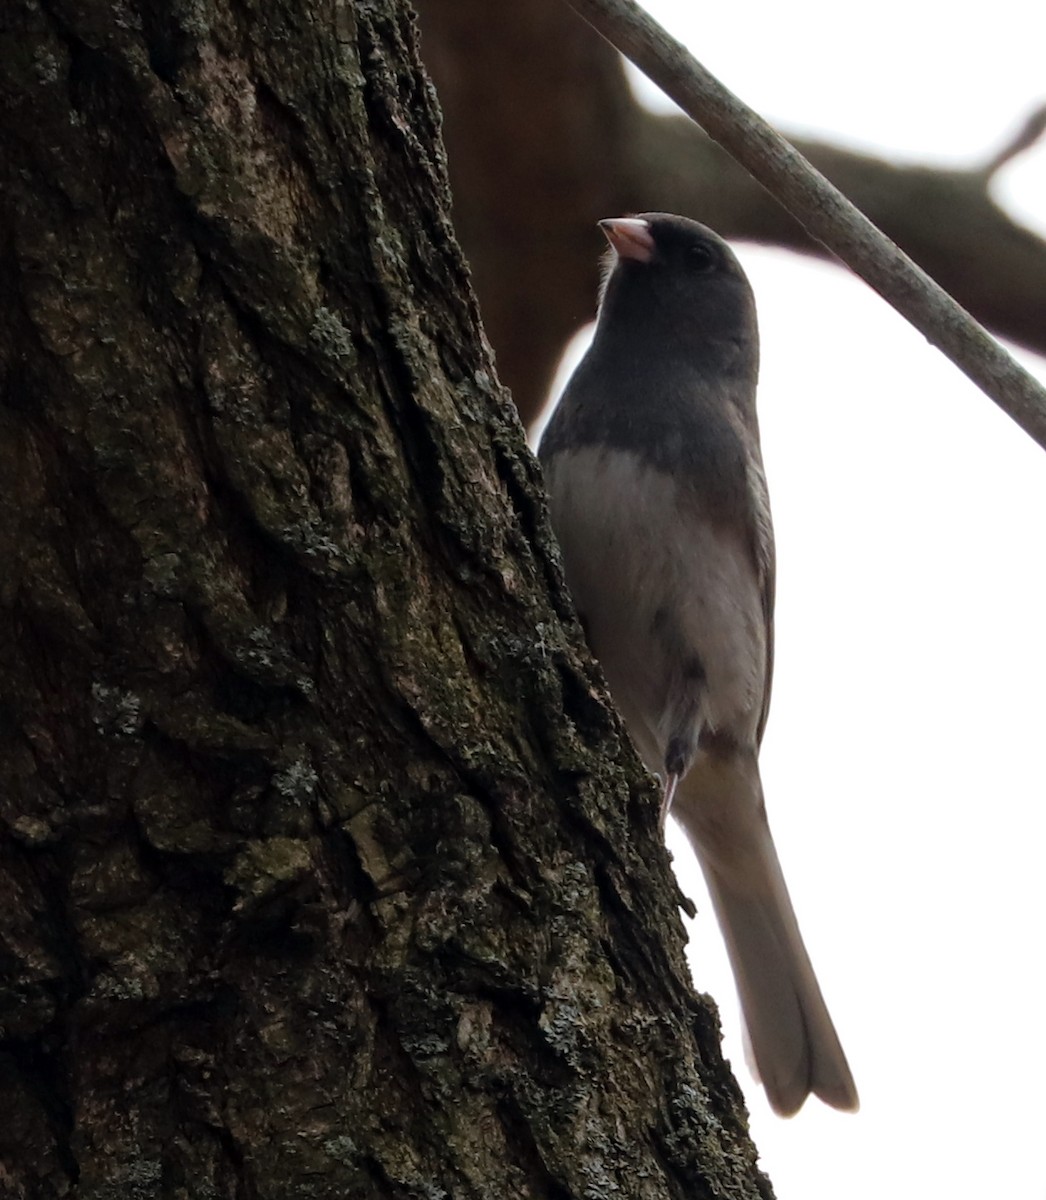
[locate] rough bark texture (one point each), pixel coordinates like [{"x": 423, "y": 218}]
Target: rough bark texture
[
  {"x": 544, "y": 138},
  {"x": 324, "y": 869}
]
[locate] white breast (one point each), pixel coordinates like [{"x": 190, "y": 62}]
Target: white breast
[{"x": 637, "y": 547}]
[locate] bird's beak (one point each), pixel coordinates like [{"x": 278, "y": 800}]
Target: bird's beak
[{"x": 630, "y": 237}]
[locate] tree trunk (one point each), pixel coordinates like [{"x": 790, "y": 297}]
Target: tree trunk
[{"x": 326, "y": 868}]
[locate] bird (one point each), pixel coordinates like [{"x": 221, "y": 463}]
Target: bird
[{"x": 658, "y": 499}]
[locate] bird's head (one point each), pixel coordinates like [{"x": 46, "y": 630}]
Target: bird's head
[{"x": 675, "y": 280}]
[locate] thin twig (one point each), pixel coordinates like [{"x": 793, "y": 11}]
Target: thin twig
[
  {"x": 820, "y": 208},
  {"x": 1033, "y": 128}
]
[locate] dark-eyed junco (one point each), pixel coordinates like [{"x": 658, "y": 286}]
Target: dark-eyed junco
[{"x": 659, "y": 503}]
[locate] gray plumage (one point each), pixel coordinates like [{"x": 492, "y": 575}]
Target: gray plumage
[{"x": 659, "y": 502}]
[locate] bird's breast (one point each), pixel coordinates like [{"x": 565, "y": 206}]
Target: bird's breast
[{"x": 665, "y": 586}]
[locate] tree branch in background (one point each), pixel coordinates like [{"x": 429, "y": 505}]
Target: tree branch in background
[
  {"x": 821, "y": 208},
  {"x": 544, "y": 138},
  {"x": 946, "y": 220},
  {"x": 1029, "y": 133}
]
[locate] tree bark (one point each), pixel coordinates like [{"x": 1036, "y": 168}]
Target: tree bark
[
  {"x": 326, "y": 869},
  {"x": 545, "y": 138}
]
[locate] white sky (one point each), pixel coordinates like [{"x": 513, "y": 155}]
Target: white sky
[{"x": 903, "y": 762}]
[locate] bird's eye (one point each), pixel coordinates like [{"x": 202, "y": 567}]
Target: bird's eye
[{"x": 701, "y": 258}]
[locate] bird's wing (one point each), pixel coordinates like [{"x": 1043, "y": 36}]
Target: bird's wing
[{"x": 762, "y": 535}]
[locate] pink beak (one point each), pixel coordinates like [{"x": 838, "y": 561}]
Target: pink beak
[{"x": 630, "y": 237}]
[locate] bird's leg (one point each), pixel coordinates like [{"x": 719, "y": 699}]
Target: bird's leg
[
  {"x": 678, "y": 756},
  {"x": 671, "y": 780}
]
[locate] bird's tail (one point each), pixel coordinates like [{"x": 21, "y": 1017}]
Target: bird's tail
[{"x": 794, "y": 1045}]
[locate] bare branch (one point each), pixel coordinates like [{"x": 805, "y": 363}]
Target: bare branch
[
  {"x": 1030, "y": 132},
  {"x": 822, "y": 210}
]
